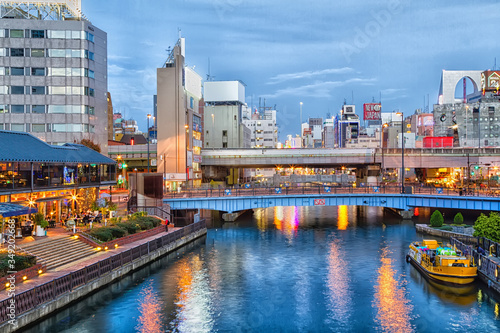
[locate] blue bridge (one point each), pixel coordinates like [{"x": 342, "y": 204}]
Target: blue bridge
[{"x": 234, "y": 200}]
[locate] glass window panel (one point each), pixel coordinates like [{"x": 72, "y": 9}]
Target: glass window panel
[
  {"x": 17, "y": 71},
  {"x": 38, "y": 71},
  {"x": 2, "y": 32},
  {"x": 38, "y": 108},
  {"x": 16, "y": 33},
  {"x": 37, "y": 90},
  {"x": 92, "y": 129},
  {"x": 58, "y": 127},
  {"x": 76, "y": 71},
  {"x": 89, "y": 36},
  {"x": 57, "y": 90},
  {"x": 2, "y": 69},
  {"x": 57, "y": 71},
  {"x": 3, "y": 108},
  {"x": 76, "y": 53},
  {"x": 38, "y": 52},
  {"x": 77, "y": 90},
  {"x": 2, "y": 52},
  {"x": 16, "y": 52},
  {"x": 4, "y": 90},
  {"x": 76, "y": 34},
  {"x": 37, "y": 33},
  {"x": 1, "y": 127},
  {"x": 60, "y": 53},
  {"x": 17, "y": 90},
  {"x": 57, "y": 34},
  {"x": 38, "y": 128},
  {"x": 17, "y": 108},
  {"x": 17, "y": 127}
]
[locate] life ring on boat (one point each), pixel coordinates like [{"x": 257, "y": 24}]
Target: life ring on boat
[{"x": 408, "y": 258}]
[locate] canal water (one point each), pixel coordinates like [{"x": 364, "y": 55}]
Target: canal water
[{"x": 287, "y": 269}]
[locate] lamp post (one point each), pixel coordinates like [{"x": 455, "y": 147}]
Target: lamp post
[
  {"x": 402, "y": 153},
  {"x": 382, "y": 146},
  {"x": 149, "y": 116}
]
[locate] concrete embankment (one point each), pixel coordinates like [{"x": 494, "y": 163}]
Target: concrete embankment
[{"x": 41, "y": 301}]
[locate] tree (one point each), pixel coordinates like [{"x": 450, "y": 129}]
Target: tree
[
  {"x": 437, "y": 219},
  {"x": 91, "y": 144},
  {"x": 488, "y": 226},
  {"x": 458, "y": 219}
]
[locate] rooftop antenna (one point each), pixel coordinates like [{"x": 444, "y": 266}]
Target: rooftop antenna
[
  {"x": 495, "y": 65},
  {"x": 179, "y": 31},
  {"x": 373, "y": 99},
  {"x": 352, "y": 96}
]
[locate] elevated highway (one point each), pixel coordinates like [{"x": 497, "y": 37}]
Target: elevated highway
[{"x": 324, "y": 157}]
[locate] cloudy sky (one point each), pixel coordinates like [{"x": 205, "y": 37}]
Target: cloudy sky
[{"x": 319, "y": 52}]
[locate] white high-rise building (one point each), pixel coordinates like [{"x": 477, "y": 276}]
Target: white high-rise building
[
  {"x": 264, "y": 130},
  {"x": 53, "y": 72}
]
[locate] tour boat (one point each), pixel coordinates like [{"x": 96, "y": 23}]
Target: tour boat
[{"x": 441, "y": 264}]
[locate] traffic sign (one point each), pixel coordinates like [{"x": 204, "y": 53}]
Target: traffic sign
[
  {"x": 227, "y": 191},
  {"x": 439, "y": 190},
  {"x": 247, "y": 185},
  {"x": 277, "y": 190},
  {"x": 376, "y": 189},
  {"x": 319, "y": 202},
  {"x": 328, "y": 189}
]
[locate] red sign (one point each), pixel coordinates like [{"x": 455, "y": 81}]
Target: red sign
[
  {"x": 372, "y": 111},
  {"x": 319, "y": 202},
  {"x": 438, "y": 142}
]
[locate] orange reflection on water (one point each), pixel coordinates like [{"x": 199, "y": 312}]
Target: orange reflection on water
[
  {"x": 150, "y": 319},
  {"x": 339, "y": 301},
  {"x": 393, "y": 309},
  {"x": 343, "y": 216},
  {"x": 286, "y": 219}
]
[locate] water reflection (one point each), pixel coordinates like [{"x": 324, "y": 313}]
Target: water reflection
[
  {"x": 193, "y": 299},
  {"x": 393, "y": 308},
  {"x": 338, "y": 283},
  {"x": 150, "y": 309},
  {"x": 343, "y": 217},
  {"x": 286, "y": 219}
]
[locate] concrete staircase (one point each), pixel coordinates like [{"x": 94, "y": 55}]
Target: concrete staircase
[{"x": 59, "y": 250}]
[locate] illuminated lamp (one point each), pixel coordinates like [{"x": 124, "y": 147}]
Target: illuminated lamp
[
  {"x": 116, "y": 246},
  {"x": 40, "y": 271},
  {"x": 25, "y": 278},
  {"x": 7, "y": 285},
  {"x": 105, "y": 248}
]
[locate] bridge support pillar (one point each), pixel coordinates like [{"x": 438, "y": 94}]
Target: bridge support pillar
[
  {"x": 231, "y": 217},
  {"x": 406, "y": 214}
]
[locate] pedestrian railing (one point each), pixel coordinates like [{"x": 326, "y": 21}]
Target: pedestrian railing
[
  {"x": 46, "y": 292},
  {"x": 484, "y": 262}
]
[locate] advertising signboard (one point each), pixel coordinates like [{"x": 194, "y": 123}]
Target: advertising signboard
[{"x": 372, "y": 111}]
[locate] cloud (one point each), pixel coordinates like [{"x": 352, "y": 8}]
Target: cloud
[
  {"x": 308, "y": 74},
  {"x": 117, "y": 57},
  {"x": 319, "y": 89},
  {"x": 391, "y": 91}
]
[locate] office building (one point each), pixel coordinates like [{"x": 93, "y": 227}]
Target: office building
[{"x": 53, "y": 66}]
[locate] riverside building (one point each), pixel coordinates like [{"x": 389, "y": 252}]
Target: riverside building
[{"x": 53, "y": 72}]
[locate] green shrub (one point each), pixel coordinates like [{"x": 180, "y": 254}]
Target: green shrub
[
  {"x": 117, "y": 231},
  {"x": 130, "y": 227},
  {"x": 21, "y": 262},
  {"x": 444, "y": 228},
  {"x": 103, "y": 234},
  {"x": 488, "y": 226},
  {"x": 458, "y": 219},
  {"x": 437, "y": 219}
]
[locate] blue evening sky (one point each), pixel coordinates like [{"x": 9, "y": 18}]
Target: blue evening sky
[{"x": 318, "y": 52}]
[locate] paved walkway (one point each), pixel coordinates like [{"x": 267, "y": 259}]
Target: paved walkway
[{"x": 64, "y": 270}]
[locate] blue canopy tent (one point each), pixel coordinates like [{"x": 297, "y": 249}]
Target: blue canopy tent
[{"x": 10, "y": 209}]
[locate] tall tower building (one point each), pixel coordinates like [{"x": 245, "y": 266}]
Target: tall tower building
[{"x": 53, "y": 72}]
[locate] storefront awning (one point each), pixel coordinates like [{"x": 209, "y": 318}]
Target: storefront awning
[{"x": 10, "y": 209}]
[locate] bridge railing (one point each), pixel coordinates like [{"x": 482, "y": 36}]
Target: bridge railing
[
  {"x": 470, "y": 246},
  {"x": 321, "y": 189}
]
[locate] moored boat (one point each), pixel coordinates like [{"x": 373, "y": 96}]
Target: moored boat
[{"x": 441, "y": 264}]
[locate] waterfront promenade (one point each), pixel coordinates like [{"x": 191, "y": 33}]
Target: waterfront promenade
[{"x": 57, "y": 288}]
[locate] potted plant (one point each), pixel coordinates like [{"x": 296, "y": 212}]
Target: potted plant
[{"x": 41, "y": 224}]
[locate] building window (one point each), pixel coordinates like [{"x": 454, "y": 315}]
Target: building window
[
  {"x": 89, "y": 36},
  {"x": 17, "y": 71},
  {"x": 89, "y": 109},
  {"x": 16, "y": 33},
  {"x": 38, "y": 109},
  {"x": 224, "y": 133},
  {"x": 17, "y": 108},
  {"x": 57, "y": 53},
  {"x": 38, "y": 128},
  {"x": 224, "y": 145},
  {"x": 89, "y": 55},
  {"x": 88, "y": 73},
  {"x": 16, "y": 52},
  {"x": 38, "y": 90},
  {"x": 4, "y": 108},
  {"x": 37, "y": 71},
  {"x": 57, "y": 34},
  {"x": 17, "y": 90},
  {"x": 38, "y": 53},
  {"x": 17, "y": 127},
  {"x": 89, "y": 92},
  {"x": 37, "y": 33}
]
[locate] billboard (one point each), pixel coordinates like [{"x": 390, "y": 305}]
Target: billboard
[{"x": 372, "y": 111}]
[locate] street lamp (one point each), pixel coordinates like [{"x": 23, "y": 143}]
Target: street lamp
[
  {"x": 149, "y": 116},
  {"x": 402, "y": 153}
]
